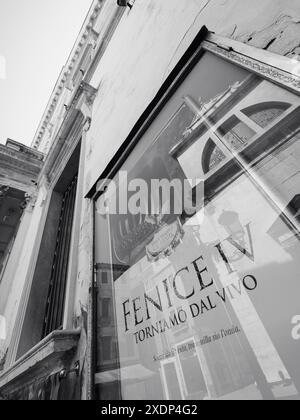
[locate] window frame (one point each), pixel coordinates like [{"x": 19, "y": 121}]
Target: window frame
[{"x": 268, "y": 66}]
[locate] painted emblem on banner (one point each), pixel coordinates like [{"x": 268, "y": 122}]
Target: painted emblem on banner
[{"x": 165, "y": 241}]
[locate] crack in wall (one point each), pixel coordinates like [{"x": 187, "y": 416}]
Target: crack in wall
[
  {"x": 185, "y": 35},
  {"x": 270, "y": 44}
]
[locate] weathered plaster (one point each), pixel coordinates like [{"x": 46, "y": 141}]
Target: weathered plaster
[
  {"x": 85, "y": 259},
  {"x": 151, "y": 39}
]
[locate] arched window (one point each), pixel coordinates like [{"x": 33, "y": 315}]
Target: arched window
[
  {"x": 237, "y": 135},
  {"x": 266, "y": 113},
  {"x": 212, "y": 157}
]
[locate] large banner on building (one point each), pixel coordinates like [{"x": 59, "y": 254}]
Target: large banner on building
[
  {"x": 205, "y": 305},
  {"x": 216, "y": 319}
]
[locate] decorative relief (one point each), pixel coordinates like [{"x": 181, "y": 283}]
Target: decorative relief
[
  {"x": 90, "y": 93},
  {"x": 84, "y": 102},
  {"x": 266, "y": 70},
  {"x": 87, "y": 124}
]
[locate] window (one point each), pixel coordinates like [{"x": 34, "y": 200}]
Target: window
[
  {"x": 56, "y": 294},
  {"x": 104, "y": 277},
  {"x": 105, "y": 308},
  {"x": 46, "y": 302},
  {"x": 236, "y": 134},
  {"x": 212, "y": 157},
  {"x": 106, "y": 348},
  {"x": 209, "y": 298},
  {"x": 266, "y": 113}
]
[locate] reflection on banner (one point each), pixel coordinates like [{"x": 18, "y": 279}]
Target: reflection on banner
[
  {"x": 205, "y": 307},
  {"x": 215, "y": 336}
]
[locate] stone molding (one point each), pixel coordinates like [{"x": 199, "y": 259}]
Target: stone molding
[
  {"x": 50, "y": 356},
  {"x": 70, "y": 132},
  {"x": 19, "y": 166}
]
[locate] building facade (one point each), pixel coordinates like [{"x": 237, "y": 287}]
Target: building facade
[{"x": 199, "y": 301}]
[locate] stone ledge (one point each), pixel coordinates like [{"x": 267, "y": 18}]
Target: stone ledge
[
  {"x": 48, "y": 357},
  {"x": 20, "y": 166}
]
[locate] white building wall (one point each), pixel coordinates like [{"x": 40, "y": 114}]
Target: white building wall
[{"x": 148, "y": 43}]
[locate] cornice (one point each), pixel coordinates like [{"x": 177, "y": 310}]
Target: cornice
[
  {"x": 30, "y": 159},
  {"x": 69, "y": 133},
  {"x": 50, "y": 355},
  {"x": 73, "y": 60},
  {"x": 88, "y": 92},
  {"x": 19, "y": 168}
]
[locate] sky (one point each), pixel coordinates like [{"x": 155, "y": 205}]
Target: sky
[{"x": 36, "y": 38}]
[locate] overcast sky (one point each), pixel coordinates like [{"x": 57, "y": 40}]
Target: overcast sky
[{"x": 36, "y": 38}]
